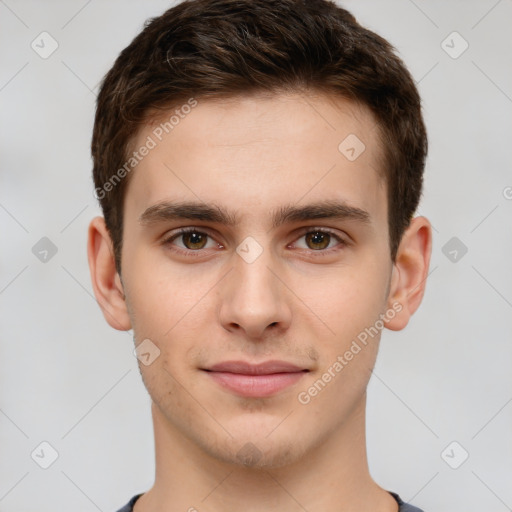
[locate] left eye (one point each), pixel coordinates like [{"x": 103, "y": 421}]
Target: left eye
[{"x": 318, "y": 240}]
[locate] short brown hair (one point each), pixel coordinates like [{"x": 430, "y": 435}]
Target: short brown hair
[{"x": 216, "y": 48}]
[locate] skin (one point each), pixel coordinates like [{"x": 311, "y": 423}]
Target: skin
[{"x": 300, "y": 301}]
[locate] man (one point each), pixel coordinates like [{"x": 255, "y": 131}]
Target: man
[{"x": 259, "y": 164}]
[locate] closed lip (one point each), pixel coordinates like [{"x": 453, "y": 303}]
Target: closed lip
[
  {"x": 255, "y": 380},
  {"x": 264, "y": 368}
]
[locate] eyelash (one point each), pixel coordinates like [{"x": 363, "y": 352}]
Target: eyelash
[{"x": 197, "y": 253}]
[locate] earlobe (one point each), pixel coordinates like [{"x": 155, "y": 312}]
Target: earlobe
[
  {"x": 410, "y": 272},
  {"x": 107, "y": 285}
]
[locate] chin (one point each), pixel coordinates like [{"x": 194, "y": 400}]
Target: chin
[
  {"x": 263, "y": 444},
  {"x": 257, "y": 454}
]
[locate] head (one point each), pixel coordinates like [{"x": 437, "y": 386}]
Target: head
[
  {"x": 214, "y": 49},
  {"x": 291, "y": 139}
]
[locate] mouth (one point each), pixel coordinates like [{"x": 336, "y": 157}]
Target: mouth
[{"x": 255, "y": 380}]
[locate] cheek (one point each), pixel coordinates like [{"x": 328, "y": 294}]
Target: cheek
[
  {"x": 349, "y": 308},
  {"x": 345, "y": 300},
  {"x": 166, "y": 391},
  {"x": 169, "y": 308},
  {"x": 160, "y": 295}
]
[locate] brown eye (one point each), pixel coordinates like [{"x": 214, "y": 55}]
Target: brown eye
[
  {"x": 191, "y": 242},
  {"x": 194, "y": 240},
  {"x": 318, "y": 240}
]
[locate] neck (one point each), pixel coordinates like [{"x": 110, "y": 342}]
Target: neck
[{"x": 331, "y": 477}]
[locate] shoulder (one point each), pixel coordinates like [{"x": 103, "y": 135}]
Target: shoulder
[
  {"x": 129, "y": 506},
  {"x": 404, "y": 507}
]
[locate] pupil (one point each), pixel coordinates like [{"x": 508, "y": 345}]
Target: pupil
[
  {"x": 319, "y": 238},
  {"x": 195, "y": 239}
]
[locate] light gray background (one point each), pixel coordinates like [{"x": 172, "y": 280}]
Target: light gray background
[{"x": 69, "y": 379}]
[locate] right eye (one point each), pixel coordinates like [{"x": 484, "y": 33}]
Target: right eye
[{"x": 192, "y": 240}]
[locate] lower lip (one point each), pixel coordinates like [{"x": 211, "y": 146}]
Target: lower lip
[{"x": 256, "y": 386}]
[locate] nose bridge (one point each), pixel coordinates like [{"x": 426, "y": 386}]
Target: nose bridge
[
  {"x": 254, "y": 298},
  {"x": 255, "y": 281},
  {"x": 255, "y": 284}
]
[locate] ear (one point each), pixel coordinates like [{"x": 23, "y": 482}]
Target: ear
[
  {"x": 106, "y": 282},
  {"x": 410, "y": 272}
]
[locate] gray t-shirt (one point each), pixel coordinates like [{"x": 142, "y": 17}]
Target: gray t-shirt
[{"x": 404, "y": 507}]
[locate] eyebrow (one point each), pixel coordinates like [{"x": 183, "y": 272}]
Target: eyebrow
[{"x": 192, "y": 210}]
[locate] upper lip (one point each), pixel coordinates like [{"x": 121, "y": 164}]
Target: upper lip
[{"x": 265, "y": 368}]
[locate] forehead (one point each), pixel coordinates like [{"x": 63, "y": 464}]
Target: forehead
[{"x": 255, "y": 153}]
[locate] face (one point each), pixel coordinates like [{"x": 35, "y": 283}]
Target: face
[{"x": 267, "y": 311}]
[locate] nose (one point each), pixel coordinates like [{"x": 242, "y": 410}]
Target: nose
[{"x": 253, "y": 299}]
